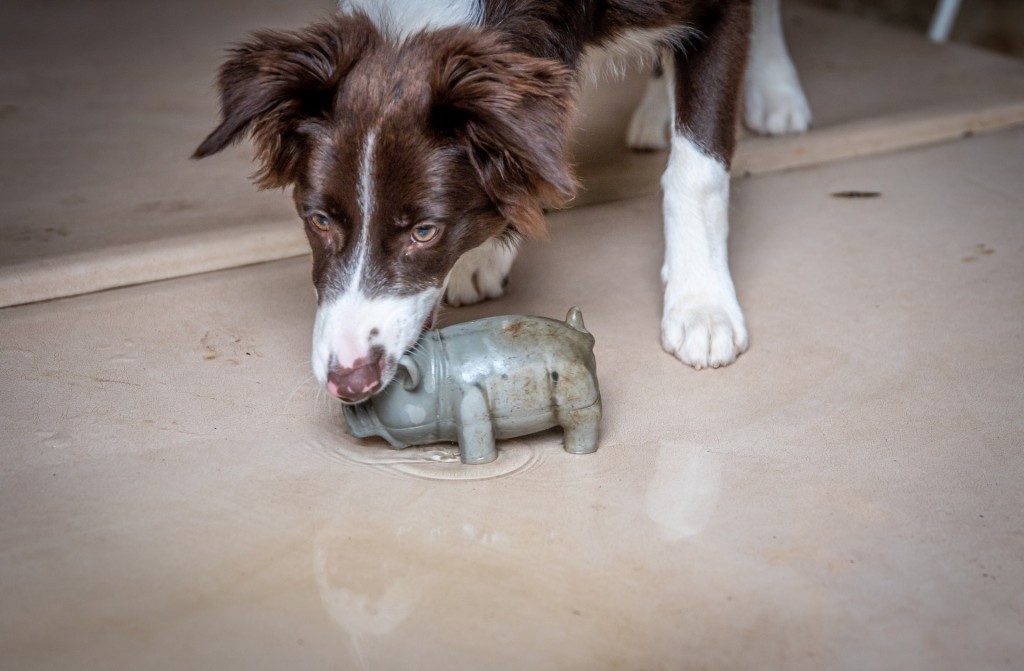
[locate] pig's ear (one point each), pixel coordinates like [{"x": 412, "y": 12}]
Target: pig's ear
[{"x": 412, "y": 372}]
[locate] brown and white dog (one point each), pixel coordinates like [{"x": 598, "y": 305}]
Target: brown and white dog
[{"x": 424, "y": 138}]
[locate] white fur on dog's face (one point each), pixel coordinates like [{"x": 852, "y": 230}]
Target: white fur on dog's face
[
  {"x": 348, "y": 327},
  {"x": 350, "y": 322}
]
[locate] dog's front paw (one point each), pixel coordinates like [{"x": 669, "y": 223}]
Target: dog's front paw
[
  {"x": 652, "y": 119},
  {"x": 702, "y": 333},
  {"x": 480, "y": 273},
  {"x": 774, "y": 103}
]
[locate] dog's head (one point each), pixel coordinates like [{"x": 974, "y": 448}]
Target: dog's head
[{"x": 402, "y": 155}]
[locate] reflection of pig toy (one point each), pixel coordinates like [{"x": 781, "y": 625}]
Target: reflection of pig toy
[{"x": 489, "y": 379}]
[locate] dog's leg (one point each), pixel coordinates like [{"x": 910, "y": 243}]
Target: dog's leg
[
  {"x": 481, "y": 273},
  {"x": 774, "y": 101},
  {"x": 651, "y": 122},
  {"x": 702, "y": 323}
]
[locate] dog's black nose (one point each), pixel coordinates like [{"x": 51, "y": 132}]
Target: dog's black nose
[{"x": 359, "y": 382}]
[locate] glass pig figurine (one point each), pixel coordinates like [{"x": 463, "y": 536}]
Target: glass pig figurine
[{"x": 490, "y": 379}]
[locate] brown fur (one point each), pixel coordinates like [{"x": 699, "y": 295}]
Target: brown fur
[
  {"x": 505, "y": 113},
  {"x": 511, "y": 113},
  {"x": 708, "y": 79},
  {"x": 274, "y": 83}
]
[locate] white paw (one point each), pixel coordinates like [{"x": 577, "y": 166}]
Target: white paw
[
  {"x": 651, "y": 122},
  {"x": 480, "y": 273},
  {"x": 774, "y": 102},
  {"x": 703, "y": 334}
]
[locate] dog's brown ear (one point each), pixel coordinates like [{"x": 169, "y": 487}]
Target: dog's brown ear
[
  {"x": 512, "y": 112},
  {"x": 276, "y": 86}
]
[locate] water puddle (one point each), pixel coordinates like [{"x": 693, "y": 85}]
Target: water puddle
[
  {"x": 683, "y": 495},
  {"x": 332, "y": 440},
  {"x": 433, "y": 462},
  {"x": 119, "y": 354}
]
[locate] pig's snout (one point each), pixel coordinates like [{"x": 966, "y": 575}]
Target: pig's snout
[
  {"x": 362, "y": 420},
  {"x": 358, "y": 382}
]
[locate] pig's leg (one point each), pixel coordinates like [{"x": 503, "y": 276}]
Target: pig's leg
[
  {"x": 581, "y": 428},
  {"x": 475, "y": 431},
  {"x": 572, "y": 386}
]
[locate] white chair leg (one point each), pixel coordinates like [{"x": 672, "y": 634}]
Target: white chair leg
[{"x": 942, "y": 20}]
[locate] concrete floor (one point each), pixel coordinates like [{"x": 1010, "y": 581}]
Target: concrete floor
[{"x": 176, "y": 494}]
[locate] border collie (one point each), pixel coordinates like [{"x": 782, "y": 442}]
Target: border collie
[{"x": 424, "y": 138}]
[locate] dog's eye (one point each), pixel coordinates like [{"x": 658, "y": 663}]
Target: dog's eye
[
  {"x": 319, "y": 221},
  {"x": 425, "y": 233}
]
